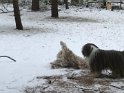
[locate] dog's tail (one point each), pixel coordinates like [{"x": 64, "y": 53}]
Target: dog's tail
[
  {"x": 63, "y": 45},
  {"x": 9, "y": 58}
]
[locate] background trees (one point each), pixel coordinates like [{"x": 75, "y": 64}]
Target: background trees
[{"x": 36, "y": 5}]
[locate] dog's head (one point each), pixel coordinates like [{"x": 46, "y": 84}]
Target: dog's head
[{"x": 89, "y": 48}]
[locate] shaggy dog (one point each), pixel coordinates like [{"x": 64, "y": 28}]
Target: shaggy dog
[
  {"x": 67, "y": 59},
  {"x": 99, "y": 60}
]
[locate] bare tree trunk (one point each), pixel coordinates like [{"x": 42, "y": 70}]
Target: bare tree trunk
[
  {"x": 104, "y": 3},
  {"x": 120, "y": 4},
  {"x": 74, "y": 2},
  {"x": 54, "y": 9},
  {"x": 35, "y": 5},
  {"x": 17, "y": 15},
  {"x": 66, "y": 4}
]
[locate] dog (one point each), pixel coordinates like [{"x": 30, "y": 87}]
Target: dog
[{"x": 99, "y": 60}]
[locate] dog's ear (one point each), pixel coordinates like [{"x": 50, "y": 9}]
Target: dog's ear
[{"x": 86, "y": 50}]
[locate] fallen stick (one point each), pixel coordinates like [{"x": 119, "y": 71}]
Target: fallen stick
[{"x": 9, "y": 58}]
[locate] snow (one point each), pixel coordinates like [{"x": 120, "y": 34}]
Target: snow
[{"x": 37, "y": 45}]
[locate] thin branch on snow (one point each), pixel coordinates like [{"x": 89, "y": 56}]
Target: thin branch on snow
[
  {"x": 5, "y": 10},
  {"x": 122, "y": 87},
  {"x": 9, "y": 58},
  {"x": 5, "y": 7},
  {"x": 87, "y": 89}
]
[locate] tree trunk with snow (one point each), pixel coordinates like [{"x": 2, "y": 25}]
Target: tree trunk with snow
[
  {"x": 66, "y": 4},
  {"x": 35, "y": 5},
  {"x": 74, "y": 2},
  {"x": 17, "y": 15},
  {"x": 104, "y": 3},
  {"x": 54, "y": 8}
]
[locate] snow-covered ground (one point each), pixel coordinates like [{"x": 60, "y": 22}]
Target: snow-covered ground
[{"x": 37, "y": 45}]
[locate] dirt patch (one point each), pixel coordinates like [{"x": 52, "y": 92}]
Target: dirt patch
[{"x": 76, "y": 82}]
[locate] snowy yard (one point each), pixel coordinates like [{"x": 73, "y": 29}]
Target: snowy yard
[{"x": 36, "y": 46}]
